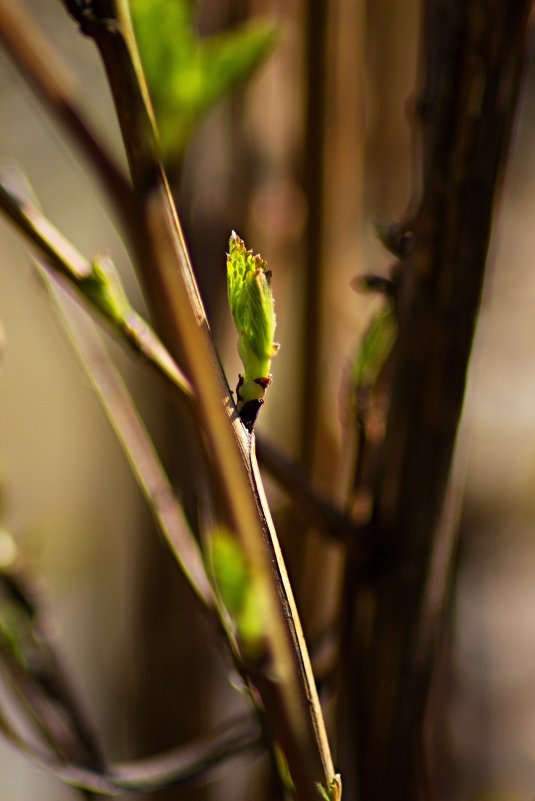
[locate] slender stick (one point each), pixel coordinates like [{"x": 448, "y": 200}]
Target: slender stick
[
  {"x": 287, "y": 690},
  {"x": 135, "y": 440},
  {"x": 139, "y": 336},
  {"x": 69, "y": 262},
  {"x": 474, "y": 57},
  {"x": 141, "y": 339},
  {"x": 311, "y": 506},
  {"x": 316, "y": 33},
  {"x": 49, "y": 77},
  {"x": 187, "y": 764}
]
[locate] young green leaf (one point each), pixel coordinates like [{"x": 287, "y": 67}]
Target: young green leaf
[
  {"x": 103, "y": 286},
  {"x": 186, "y": 74},
  {"x": 253, "y": 310},
  {"x": 375, "y": 348},
  {"x": 334, "y": 793},
  {"x": 239, "y": 592}
]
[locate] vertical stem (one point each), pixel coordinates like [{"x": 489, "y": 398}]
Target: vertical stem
[
  {"x": 41, "y": 65},
  {"x": 316, "y": 14},
  {"x": 286, "y": 684},
  {"x": 474, "y": 56}
]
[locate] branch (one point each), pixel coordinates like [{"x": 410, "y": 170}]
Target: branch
[
  {"x": 62, "y": 256},
  {"x": 474, "y": 57},
  {"x": 47, "y": 75},
  {"x": 312, "y": 506},
  {"x": 33, "y": 668},
  {"x": 102, "y": 291},
  {"x": 136, "y": 333},
  {"x": 43, "y": 68},
  {"x": 31, "y": 665},
  {"x": 310, "y": 381},
  {"x": 136, "y": 443},
  {"x": 287, "y": 686},
  {"x": 186, "y": 765}
]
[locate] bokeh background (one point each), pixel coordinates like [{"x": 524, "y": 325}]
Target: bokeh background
[{"x": 147, "y": 666}]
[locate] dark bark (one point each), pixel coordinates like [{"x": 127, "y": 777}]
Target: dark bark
[{"x": 473, "y": 59}]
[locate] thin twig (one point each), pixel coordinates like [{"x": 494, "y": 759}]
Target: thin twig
[
  {"x": 474, "y": 56},
  {"x": 67, "y": 746},
  {"x": 33, "y": 667},
  {"x": 63, "y": 257},
  {"x": 140, "y": 337},
  {"x": 132, "y": 329},
  {"x": 288, "y": 691},
  {"x": 136, "y": 443},
  {"x": 312, "y": 507},
  {"x": 188, "y": 764},
  {"x": 42, "y": 66},
  {"x": 316, "y": 35},
  {"x": 47, "y": 75}
]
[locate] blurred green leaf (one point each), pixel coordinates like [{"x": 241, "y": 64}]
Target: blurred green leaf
[
  {"x": 15, "y": 632},
  {"x": 375, "y": 347},
  {"x": 253, "y": 311},
  {"x": 237, "y": 589},
  {"x": 187, "y": 74},
  {"x": 230, "y": 570},
  {"x": 334, "y": 793}
]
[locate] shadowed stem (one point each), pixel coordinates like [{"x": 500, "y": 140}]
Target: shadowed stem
[
  {"x": 185, "y": 765},
  {"x": 136, "y": 333},
  {"x": 69, "y": 262},
  {"x": 287, "y": 689},
  {"x": 135, "y": 441},
  {"x": 474, "y": 57},
  {"x": 42, "y": 66},
  {"x": 316, "y": 23}
]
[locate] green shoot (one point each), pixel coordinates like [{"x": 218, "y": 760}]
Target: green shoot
[{"x": 253, "y": 310}]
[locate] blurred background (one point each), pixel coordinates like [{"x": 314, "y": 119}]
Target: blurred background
[{"x": 144, "y": 661}]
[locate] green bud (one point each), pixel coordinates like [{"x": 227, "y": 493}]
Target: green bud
[
  {"x": 104, "y": 287},
  {"x": 334, "y": 793},
  {"x": 252, "y": 307},
  {"x": 240, "y": 594},
  {"x": 374, "y": 350}
]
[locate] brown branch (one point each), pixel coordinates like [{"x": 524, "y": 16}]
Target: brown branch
[
  {"x": 31, "y": 664},
  {"x": 141, "y": 339},
  {"x": 186, "y": 765},
  {"x": 70, "y": 263},
  {"x": 316, "y": 36},
  {"x": 474, "y": 56},
  {"x": 135, "y": 441},
  {"x": 287, "y": 687},
  {"x": 49, "y": 77},
  {"x": 312, "y": 507}
]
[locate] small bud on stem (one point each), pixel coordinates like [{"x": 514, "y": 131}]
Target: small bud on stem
[{"x": 253, "y": 310}]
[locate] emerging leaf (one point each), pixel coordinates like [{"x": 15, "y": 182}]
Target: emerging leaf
[
  {"x": 238, "y": 590},
  {"x": 104, "y": 287},
  {"x": 253, "y": 309},
  {"x": 375, "y": 348},
  {"x": 186, "y": 75},
  {"x": 334, "y": 793}
]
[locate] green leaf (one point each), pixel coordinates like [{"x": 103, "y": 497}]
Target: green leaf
[
  {"x": 375, "y": 347},
  {"x": 322, "y": 791},
  {"x": 15, "y": 631},
  {"x": 238, "y": 590},
  {"x": 105, "y": 289},
  {"x": 186, "y": 75},
  {"x": 334, "y": 793},
  {"x": 253, "y": 310}
]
